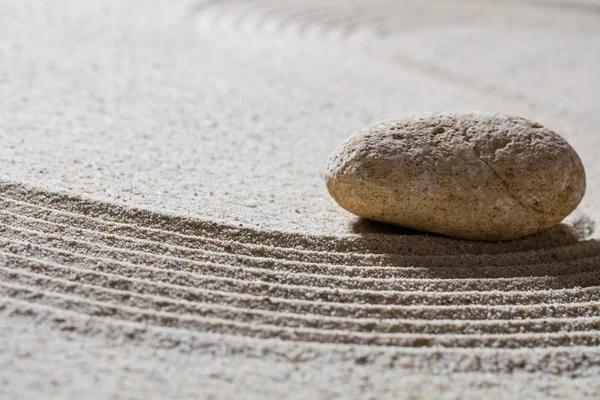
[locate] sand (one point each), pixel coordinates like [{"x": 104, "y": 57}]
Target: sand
[{"x": 166, "y": 231}]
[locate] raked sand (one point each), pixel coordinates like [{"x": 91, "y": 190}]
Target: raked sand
[{"x": 165, "y": 230}]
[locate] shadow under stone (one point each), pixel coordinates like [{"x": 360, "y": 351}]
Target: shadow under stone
[
  {"x": 378, "y": 237},
  {"x": 560, "y": 234},
  {"x": 560, "y": 256}
]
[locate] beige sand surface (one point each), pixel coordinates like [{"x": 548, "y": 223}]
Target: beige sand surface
[{"x": 166, "y": 232}]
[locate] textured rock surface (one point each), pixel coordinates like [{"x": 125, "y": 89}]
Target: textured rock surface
[{"x": 472, "y": 176}]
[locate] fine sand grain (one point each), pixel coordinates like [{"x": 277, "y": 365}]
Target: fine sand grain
[{"x": 166, "y": 232}]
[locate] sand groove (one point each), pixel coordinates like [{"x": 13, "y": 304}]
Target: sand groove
[
  {"x": 125, "y": 264},
  {"x": 172, "y": 267},
  {"x": 159, "y": 303},
  {"x": 218, "y": 325},
  {"x": 245, "y": 252},
  {"x": 322, "y": 17},
  {"x": 337, "y": 18}
]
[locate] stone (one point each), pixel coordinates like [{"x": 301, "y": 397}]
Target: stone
[{"x": 471, "y": 175}]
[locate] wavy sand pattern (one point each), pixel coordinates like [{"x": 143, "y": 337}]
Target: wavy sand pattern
[
  {"x": 128, "y": 264},
  {"x": 164, "y": 201}
]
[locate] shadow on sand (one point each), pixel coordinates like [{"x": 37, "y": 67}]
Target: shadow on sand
[{"x": 561, "y": 257}]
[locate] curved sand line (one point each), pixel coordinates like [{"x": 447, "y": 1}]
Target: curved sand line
[
  {"x": 120, "y": 263},
  {"x": 382, "y": 18}
]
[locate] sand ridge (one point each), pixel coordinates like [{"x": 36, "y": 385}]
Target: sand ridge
[
  {"x": 119, "y": 266},
  {"x": 129, "y": 277},
  {"x": 162, "y": 202}
]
